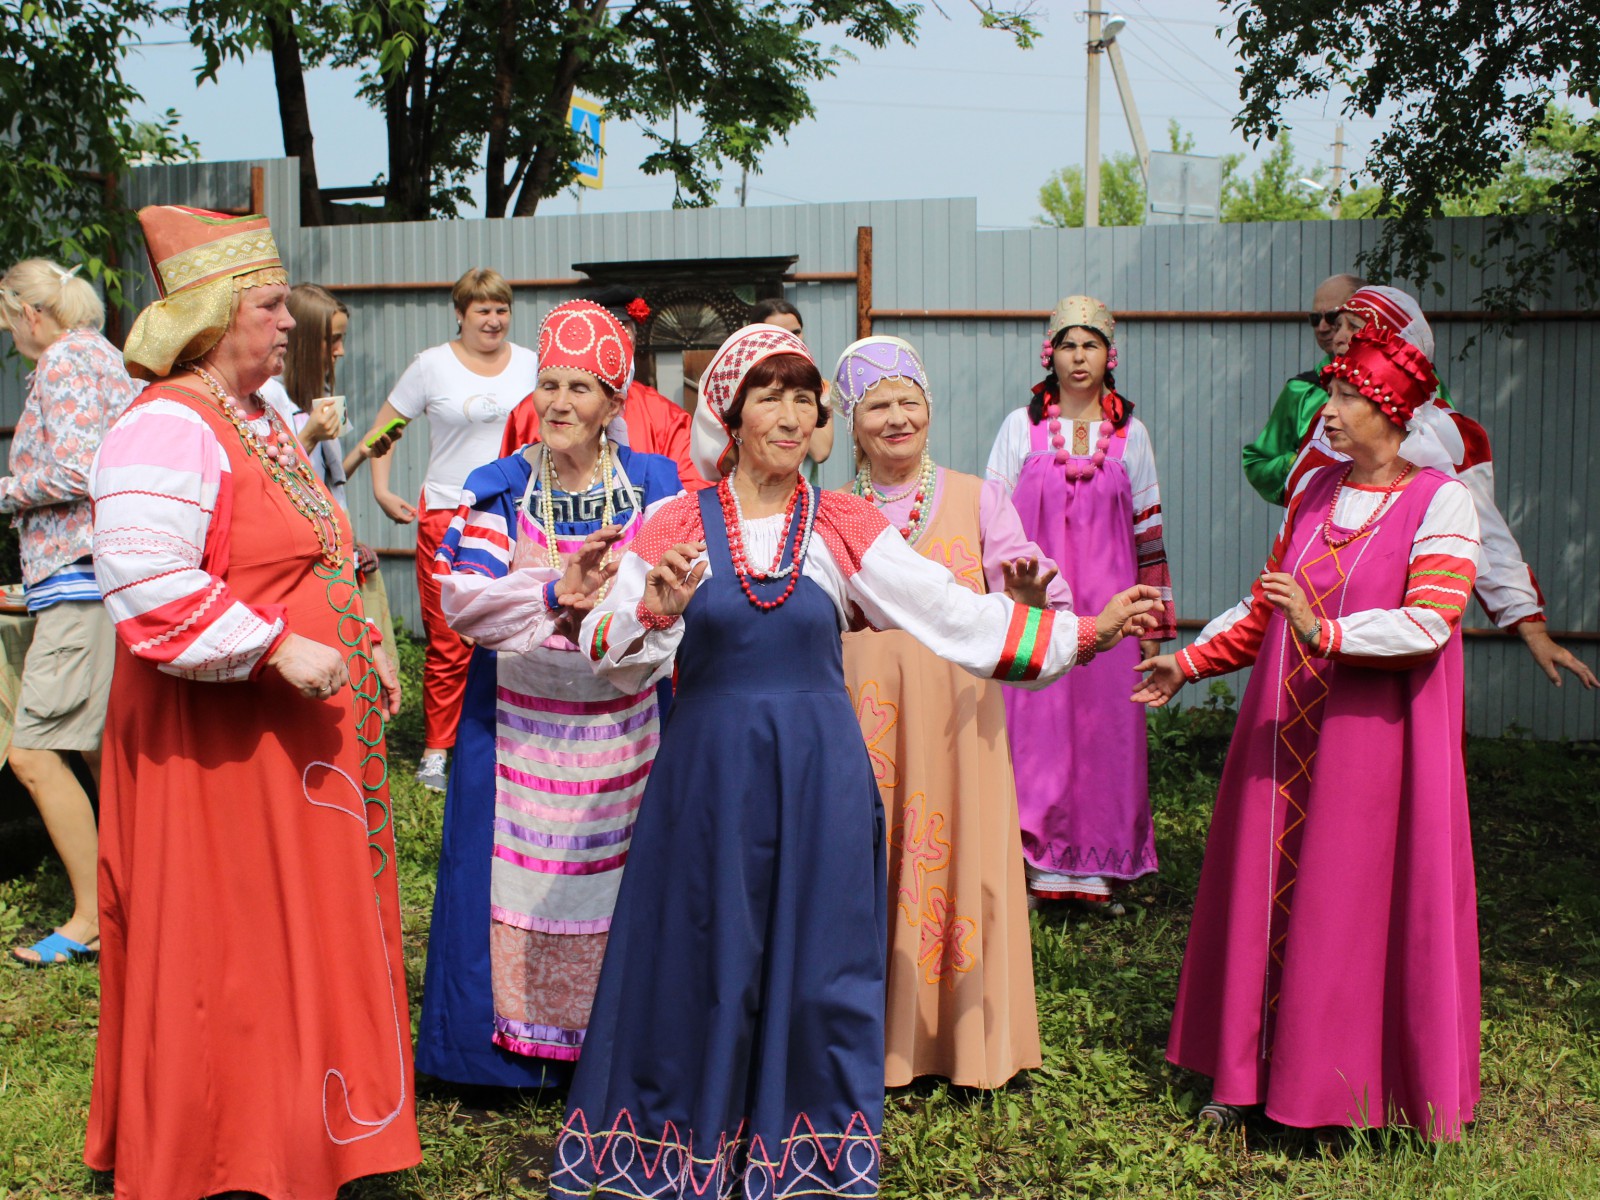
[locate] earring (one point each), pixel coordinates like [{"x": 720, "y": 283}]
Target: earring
[{"x": 737, "y": 440}]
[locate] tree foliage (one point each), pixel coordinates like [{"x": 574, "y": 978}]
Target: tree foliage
[
  {"x": 1461, "y": 89},
  {"x": 67, "y": 131},
  {"x": 1122, "y": 195},
  {"x": 470, "y": 85},
  {"x": 1273, "y": 192}
]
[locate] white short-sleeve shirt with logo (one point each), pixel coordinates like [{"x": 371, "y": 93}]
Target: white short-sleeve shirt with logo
[{"x": 466, "y": 413}]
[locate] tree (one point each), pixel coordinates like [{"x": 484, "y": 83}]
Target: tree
[
  {"x": 1461, "y": 88},
  {"x": 383, "y": 34},
  {"x": 1121, "y": 194},
  {"x": 1274, "y": 192},
  {"x": 466, "y": 85},
  {"x": 68, "y": 131},
  {"x": 1553, "y": 152}
]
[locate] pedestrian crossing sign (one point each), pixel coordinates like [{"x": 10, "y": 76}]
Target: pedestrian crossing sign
[{"x": 587, "y": 120}]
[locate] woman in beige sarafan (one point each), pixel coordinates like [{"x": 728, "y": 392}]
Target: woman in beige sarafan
[{"x": 960, "y": 973}]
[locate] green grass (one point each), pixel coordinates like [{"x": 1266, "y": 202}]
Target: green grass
[{"x": 1105, "y": 1117}]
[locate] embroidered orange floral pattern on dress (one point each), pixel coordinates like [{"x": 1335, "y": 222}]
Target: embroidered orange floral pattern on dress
[
  {"x": 960, "y": 561},
  {"x": 922, "y": 851},
  {"x": 946, "y": 940},
  {"x": 877, "y": 718}
]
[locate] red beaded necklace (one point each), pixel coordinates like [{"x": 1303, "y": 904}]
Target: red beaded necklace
[
  {"x": 1388, "y": 495},
  {"x": 733, "y": 519}
]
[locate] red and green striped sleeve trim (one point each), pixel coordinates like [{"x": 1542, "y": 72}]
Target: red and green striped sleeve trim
[
  {"x": 601, "y": 640},
  {"x": 1027, "y": 641}
]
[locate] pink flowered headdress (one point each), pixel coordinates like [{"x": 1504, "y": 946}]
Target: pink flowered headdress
[
  {"x": 581, "y": 336},
  {"x": 1387, "y": 370},
  {"x": 711, "y": 441}
]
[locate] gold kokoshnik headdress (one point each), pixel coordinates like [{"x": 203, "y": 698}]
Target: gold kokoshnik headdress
[{"x": 200, "y": 260}]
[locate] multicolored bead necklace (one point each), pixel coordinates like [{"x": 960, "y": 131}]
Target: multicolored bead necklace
[
  {"x": 733, "y": 518},
  {"x": 279, "y": 453},
  {"x": 1388, "y": 495},
  {"x": 922, "y": 485}
]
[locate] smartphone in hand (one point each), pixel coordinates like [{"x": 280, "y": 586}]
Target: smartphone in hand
[{"x": 393, "y": 426}]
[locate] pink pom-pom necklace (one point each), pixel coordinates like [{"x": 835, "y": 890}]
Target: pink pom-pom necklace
[{"x": 1058, "y": 442}]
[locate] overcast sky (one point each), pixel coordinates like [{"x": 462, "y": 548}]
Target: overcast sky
[{"x": 964, "y": 112}]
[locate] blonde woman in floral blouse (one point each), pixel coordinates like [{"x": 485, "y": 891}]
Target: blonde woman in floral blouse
[{"x": 77, "y": 389}]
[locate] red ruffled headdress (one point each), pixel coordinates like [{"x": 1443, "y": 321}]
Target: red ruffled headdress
[{"x": 1387, "y": 370}]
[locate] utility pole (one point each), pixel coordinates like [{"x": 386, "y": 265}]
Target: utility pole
[
  {"x": 1338, "y": 162},
  {"x": 1119, "y": 72},
  {"x": 1091, "y": 135}
]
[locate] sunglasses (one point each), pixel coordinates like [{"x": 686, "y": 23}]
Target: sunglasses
[{"x": 1317, "y": 318}]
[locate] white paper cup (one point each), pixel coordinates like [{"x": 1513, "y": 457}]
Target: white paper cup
[{"x": 338, "y": 407}]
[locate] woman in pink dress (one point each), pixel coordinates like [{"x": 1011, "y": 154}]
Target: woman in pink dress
[
  {"x": 1081, "y": 470},
  {"x": 1332, "y": 968}
]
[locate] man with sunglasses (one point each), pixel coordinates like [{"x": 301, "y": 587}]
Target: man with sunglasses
[{"x": 1267, "y": 460}]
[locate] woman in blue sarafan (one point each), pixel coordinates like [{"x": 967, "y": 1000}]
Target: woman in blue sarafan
[
  {"x": 551, "y": 759},
  {"x": 736, "y": 1043}
]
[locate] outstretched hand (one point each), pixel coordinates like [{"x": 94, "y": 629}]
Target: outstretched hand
[
  {"x": 670, "y": 585},
  {"x": 1161, "y": 683},
  {"x": 1550, "y": 656},
  {"x": 1024, "y": 584},
  {"x": 1128, "y": 614}
]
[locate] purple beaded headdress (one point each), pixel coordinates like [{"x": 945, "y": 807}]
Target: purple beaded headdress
[{"x": 868, "y": 362}]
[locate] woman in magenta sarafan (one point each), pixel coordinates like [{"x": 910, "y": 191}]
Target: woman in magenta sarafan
[
  {"x": 1331, "y": 974},
  {"x": 1081, "y": 471}
]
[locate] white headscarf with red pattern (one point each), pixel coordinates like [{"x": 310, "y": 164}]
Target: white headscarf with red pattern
[{"x": 711, "y": 441}]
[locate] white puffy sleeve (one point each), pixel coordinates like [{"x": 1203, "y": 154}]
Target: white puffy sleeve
[
  {"x": 1009, "y": 450},
  {"x": 894, "y": 587}
]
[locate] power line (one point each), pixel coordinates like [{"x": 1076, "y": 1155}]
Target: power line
[
  {"x": 1173, "y": 76},
  {"x": 1171, "y": 40}
]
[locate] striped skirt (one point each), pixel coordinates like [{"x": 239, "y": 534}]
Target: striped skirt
[{"x": 571, "y": 759}]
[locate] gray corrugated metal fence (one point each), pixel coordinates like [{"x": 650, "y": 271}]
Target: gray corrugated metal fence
[{"x": 1202, "y": 387}]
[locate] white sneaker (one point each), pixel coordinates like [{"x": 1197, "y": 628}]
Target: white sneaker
[{"x": 431, "y": 772}]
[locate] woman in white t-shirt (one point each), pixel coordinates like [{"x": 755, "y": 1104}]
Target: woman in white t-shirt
[{"x": 467, "y": 388}]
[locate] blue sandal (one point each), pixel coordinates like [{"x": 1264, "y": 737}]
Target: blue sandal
[{"x": 57, "y": 944}]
